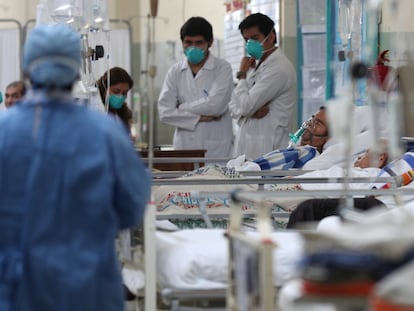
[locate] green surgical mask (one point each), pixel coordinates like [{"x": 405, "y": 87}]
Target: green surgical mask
[
  {"x": 195, "y": 55},
  {"x": 255, "y": 48},
  {"x": 116, "y": 101}
]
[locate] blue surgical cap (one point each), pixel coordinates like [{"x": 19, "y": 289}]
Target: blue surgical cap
[{"x": 52, "y": 56}]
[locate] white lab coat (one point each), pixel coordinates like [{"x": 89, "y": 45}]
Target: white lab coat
[
  {"x": 184, "y": 98},
  {"x": 273, "y": 81}
]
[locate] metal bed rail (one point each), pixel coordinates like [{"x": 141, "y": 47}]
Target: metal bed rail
[
  {"x": 273, "y": 180},
  {"x": 178, "y": 296},
  {"x": 196, "y": 162},
  {"x": 186, "y": 160},
  {"x": 271, "y": 173},
  {"x": 258, "y": 195}
]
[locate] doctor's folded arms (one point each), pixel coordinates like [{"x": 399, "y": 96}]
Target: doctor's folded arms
[
  {"x": 70, "y": 180},
  {"x": 195, "y": 95}
]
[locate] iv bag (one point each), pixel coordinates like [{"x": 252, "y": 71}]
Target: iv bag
[
  {"x": 82, "y": 15},
  {"x": 86, "y": 64},
  {"x": 81, "y": 23},
  {"x": 344, "y": 21},
  {"x": 42, "y": 14},
  {"x": 96, "y": 13},
  {"x": 62, "y": 11}
]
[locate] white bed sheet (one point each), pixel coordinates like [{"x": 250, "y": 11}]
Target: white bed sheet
[{"x": 198, "y": 258}]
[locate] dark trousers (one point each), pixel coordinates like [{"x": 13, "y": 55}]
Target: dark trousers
[{"x": 316, "y": 209}]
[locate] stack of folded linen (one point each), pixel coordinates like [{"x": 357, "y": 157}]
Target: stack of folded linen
[
  {"x": 395, "y": 292},
  {"x": 353, "y": 259}
]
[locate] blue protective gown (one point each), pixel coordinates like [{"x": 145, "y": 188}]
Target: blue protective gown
[{"x": 69, "y": 180}]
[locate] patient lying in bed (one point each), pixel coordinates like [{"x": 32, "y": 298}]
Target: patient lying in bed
[
  {"x": 179, "y": 199},
  {"x": 313, "y": 210},
  {"x": 366, "y": 165},
  {"x": 316, "y": 150}
]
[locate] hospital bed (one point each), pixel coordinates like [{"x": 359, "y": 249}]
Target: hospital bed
[
  {"x": 188, "y": 272},
  {"x": 175, "y": 241},
  {"x": 176, "y": 196},
  {"x": 178, "y": 291},
  {"x": 174, "y": 247},
  {"x": 192, "y": 264}
]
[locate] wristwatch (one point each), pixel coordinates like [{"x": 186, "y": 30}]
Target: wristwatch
[{"x": 240, "y": 75}]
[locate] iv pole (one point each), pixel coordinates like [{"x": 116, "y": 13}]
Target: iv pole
[
  {"x": 150, "y": 268},
  {"x": 152, "y": 71}
]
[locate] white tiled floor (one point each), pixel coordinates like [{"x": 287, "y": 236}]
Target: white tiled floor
[{"x": 132, "y": 306}]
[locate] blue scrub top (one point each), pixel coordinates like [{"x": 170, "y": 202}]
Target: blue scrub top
[{"x": 69, "y": 180}]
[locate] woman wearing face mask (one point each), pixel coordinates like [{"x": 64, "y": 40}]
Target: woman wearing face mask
[
  {"x": 114, "y": 93},
  {"x": 265, "y": 97},
  {"x": 195, "y": 94}
]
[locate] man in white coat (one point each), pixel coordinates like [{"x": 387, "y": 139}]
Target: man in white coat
[
  {"x": 196, "y": 92},
  {"x": 265, "y": 97}
]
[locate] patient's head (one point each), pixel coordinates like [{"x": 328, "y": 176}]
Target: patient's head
[
  {"x": 316, "y": 132},
  {"x": 370, "y": 159}
]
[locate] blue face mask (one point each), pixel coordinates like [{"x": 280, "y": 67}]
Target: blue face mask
[
  {"x": 1, "y": 97},
  {"x": 116, "y": 101},
  {"x": 254, "y": 48},
  {"x": 194, "y": 54}
]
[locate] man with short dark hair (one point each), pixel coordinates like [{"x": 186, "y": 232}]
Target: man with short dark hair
[
  {"x": 316, "y": 132},
  {"x": 314, "y": 137},
  {"x": 264, "y": 100},
  {"x": 196, "y": 92},
  {"x": 14, "y": 91}
]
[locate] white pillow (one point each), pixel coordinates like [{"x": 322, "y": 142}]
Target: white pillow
[
  {"x": 335, "y": 154},
  {"x": 198, "y": 258}
]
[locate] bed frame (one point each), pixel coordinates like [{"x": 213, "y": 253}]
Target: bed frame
[{"x": 250, "y": 262}]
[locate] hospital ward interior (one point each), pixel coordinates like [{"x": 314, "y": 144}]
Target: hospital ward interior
[{"x": 272, "y": 147}]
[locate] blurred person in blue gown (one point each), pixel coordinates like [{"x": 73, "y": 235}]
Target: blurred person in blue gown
[{"x": 70, "y": 179}]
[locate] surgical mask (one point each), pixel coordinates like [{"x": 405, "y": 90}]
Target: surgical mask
[
  {"x": 1, "y": 97},
  {"x": 254, "y": 48},
  {"x": 116, "y": 101},
  {"x": 194, "y": 54}
]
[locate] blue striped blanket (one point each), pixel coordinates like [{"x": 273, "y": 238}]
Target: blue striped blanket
[
  {"x": 283, "y": 159},
  {"x": 396, "y": 167}
]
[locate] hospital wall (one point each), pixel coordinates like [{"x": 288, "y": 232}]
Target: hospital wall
[
  {"x": 397, "y": 30},
  {"x": 173, "y": 13}
]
